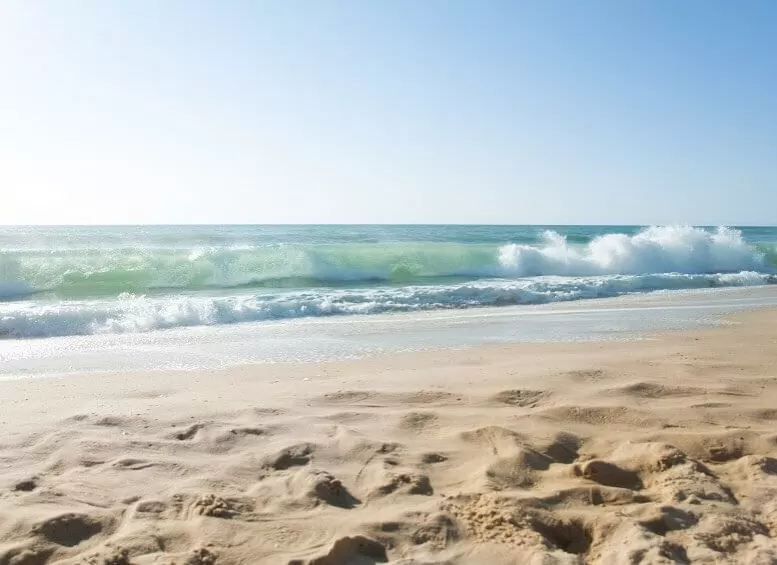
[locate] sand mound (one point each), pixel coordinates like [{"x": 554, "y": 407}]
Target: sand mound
[
  {"x": 356, "y": 550},
  {"x": 608, "y": 474}
]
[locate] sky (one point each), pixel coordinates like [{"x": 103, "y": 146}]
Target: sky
[{"x": 395, "y": 111}]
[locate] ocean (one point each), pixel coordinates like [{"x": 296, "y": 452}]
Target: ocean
[
  {"x": 147, "y": 297},
  {"x": 59, "y": 281}
]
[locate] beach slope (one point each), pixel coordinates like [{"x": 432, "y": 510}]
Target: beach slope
[{"x": 661, "y": 450}]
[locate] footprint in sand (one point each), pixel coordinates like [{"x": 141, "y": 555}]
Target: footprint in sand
[
  {"x": 69, "y": 529},
  {"x": 522, "y": 398},
  {"x": 189, "y": 432},
  {"x": 292, "y": 456}
]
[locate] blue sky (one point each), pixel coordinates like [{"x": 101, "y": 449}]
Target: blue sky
[{"x": 390, "y": 112}]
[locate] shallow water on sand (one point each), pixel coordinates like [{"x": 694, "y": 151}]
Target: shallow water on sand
[{"x": 320, "y": 339}]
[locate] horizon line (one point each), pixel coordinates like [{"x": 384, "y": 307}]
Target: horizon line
[{"x": 387, "y": 224}]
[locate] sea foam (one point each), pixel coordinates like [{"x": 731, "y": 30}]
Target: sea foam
[
  {"x": 147, "y": 313},
  {"x": 655, "y": 250}
]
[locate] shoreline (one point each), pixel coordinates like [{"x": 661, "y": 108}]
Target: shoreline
[
  {"x": 587, "y": 452},
  {"x": 285, "y": 378},
  {"x": 359, "y": 337}
]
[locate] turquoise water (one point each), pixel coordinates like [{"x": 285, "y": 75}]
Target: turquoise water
[{"x": 61, "y": 281}]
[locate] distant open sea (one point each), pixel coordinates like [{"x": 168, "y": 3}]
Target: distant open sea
[{"x": 63, "y": 281}]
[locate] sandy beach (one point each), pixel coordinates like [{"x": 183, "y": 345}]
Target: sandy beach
[
  {"x": 658, "y": 450},
  {"x": 383, "y": 281}
]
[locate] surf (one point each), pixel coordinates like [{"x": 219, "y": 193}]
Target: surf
[
  {"x": 102, "y": 285},
  {"x": 96, "y": 272},
  {"x": 139, "y": 313}
]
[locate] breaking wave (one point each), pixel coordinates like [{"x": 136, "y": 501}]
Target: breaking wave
[{"x": 85, "y": 291}]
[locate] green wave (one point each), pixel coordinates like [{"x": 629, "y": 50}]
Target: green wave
[{"x": 101, "y": 272}]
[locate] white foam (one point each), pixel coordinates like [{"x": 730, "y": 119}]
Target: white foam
[
  {"x": 130, "y": 313},
  {"x": 658, "y": 258},
  {"x": 680, "y": 249}
]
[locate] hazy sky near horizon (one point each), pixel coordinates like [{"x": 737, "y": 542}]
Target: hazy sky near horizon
[{"x": 438, "y": 111}]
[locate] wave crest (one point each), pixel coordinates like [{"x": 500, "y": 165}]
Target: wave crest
[
  {"x": 81, "y": 273},
  {"x": 685, "y": 250}
]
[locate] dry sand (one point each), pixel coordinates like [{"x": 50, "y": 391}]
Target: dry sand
[{"x": 656, "y": 451}]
